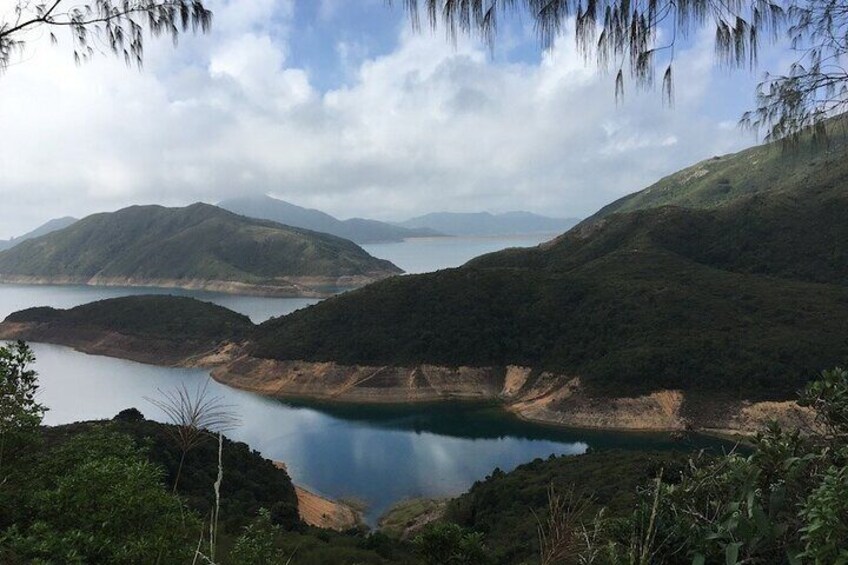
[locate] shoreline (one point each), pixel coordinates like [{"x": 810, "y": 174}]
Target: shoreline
[
  {"x": 289, "y": 287},
  {"x": 321, "y": 511},
  {"x": 548, "y": 400}
]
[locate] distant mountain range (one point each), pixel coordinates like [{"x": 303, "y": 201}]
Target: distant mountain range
[
  {"x": 44, "y": 229},
  {"x": 373, "y": 231},
  {"x": 486, "y": 224},
  {"x": 358, "y": 230},
  {"x": 199, "y": 246}
]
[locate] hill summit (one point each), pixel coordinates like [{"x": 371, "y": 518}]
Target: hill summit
[{"x": 198, "y": 246}]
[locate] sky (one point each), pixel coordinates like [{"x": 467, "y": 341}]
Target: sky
[{"x": 341, "y": 106}]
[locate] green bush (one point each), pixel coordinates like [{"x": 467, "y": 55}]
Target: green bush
[{"x": 97, "y": 499}]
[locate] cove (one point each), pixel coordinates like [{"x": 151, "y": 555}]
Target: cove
[{"x": 375, "y": 455}]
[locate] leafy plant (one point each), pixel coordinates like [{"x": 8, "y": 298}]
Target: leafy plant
[
  {"x": 257, "y": 545},
  {"x": 446, "y": 543},
  {"x": 20, "y": 413},
  {"x": 98, "y": 499}
]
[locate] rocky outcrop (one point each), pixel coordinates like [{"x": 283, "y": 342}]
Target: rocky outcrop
[{"x": 361, "y": 383}]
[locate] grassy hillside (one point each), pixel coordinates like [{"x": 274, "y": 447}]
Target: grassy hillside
[
  {"x": 157, "y": 316},
  {"x": 48, "y": 227},
  {"x": 197, "y": 242},
  {"x": 747, "y": 299},
  {"x": 771, "y": 168}
]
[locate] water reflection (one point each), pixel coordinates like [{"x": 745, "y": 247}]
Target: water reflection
[{"x": 376, "y": 454}]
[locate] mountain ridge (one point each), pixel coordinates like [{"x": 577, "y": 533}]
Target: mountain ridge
[
  {"x": 358, "y": 230},
  {"x": 45, "y": 228}
]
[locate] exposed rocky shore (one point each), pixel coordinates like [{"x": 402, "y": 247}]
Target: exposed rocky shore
[{"x": 540, "y": 397}]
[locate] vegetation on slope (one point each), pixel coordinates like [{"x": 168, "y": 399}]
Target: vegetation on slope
[
  {"x": 771, "y": 168},
  {"x": 627, "y": 322},
  {"x": 784, "y": 501},
  {"x": 103, "y": 492},
  {"x": 747, "y": 299},
  {"x": 199, "y": 242},
  {"x": 158, "y": 316},
  {"x": 502, "y": 506},
  {"x": 252, "y": 482},
  {"x": 48, "y": 227}
]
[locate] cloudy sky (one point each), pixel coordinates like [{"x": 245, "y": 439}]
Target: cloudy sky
[{"x": 338, "y": 105}]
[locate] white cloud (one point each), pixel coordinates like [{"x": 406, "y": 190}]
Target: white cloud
[{"x": 424, "y": 128}]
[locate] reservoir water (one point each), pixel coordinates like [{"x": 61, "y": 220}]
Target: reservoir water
[
  {"x": 376, "y": 455},
  {"x": 425, "y": 254}
]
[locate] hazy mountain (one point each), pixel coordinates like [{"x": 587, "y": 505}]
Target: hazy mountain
[
  {"x": 198, "y": 246},
  {"x": 355, "y": 229},
  {"x": 486, "y": 224},
  {"x": 44, "y": 229}
]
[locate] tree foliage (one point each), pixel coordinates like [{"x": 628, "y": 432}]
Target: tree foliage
[
  {"x": 446, "y": 543},
  {"x": 115, "y": 26},
  {"x": 20, "y": 413},
  {"x": 635, "y": 38},
  {"x": 98, "y": 499}
]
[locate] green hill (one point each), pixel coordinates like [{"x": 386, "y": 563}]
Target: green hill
[
  {"x": 173, "y": 317},
  {"x": 746, "y": 299},
  {"x": 199, "y": 246},
  {"x": 771, "y": 168},
  {"x": 164, "y": 330}
]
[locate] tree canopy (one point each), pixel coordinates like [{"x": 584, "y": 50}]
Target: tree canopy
[
  {"x": 637, "y": 38},
  {"x": 102, "y": 26}
]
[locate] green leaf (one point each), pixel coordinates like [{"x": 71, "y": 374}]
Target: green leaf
[
  {"x": 699, "y": 559},
  {"x": 731, "y": 553}
]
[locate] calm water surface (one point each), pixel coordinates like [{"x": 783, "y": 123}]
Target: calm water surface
[
  {"x": 425, "y": 254},
  {"x": 378, "y": 455}
]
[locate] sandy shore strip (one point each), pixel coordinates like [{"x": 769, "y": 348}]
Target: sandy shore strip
[{"x": 322, "y": 512}]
